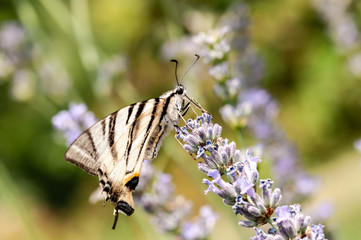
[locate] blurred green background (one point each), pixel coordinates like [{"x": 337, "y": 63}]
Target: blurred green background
[{"x": 44, "y": 197}]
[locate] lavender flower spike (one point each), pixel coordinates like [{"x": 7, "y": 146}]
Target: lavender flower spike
[{"x": 235, "y": 179}]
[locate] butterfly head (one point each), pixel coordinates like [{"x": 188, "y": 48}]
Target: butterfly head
[{"x": 179, "y": 90}]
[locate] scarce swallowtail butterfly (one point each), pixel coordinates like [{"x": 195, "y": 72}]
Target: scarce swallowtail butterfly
[{"x": 114, "y": 148}]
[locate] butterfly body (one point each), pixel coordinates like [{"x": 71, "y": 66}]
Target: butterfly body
[{"x": 114, "y": 148}]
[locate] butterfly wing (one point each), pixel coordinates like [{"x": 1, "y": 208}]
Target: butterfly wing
[{"x": 114, "y": 148}]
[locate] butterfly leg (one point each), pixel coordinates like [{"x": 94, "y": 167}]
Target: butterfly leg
[
  {"x": 185, "y": 122},
  {"x": 194, "y": 111},
  {"x": 196, "y": 104},
  {"x": 175, "y": 136},
  {"x": 185, "y": 109}
]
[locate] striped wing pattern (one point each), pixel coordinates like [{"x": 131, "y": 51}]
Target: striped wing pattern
[{"x": 114, "y": 148}]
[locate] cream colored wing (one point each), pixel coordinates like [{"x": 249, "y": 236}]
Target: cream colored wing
[{"x": 115, "y": 147}]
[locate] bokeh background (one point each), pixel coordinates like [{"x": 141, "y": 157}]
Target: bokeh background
[{"x": 111, "y": 53}]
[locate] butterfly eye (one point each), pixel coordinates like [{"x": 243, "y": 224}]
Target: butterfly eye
[{"x": 180, "y": 90}]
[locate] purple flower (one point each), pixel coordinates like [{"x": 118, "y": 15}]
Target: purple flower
[
  {"x": 322, "y": 211},
  {"x": 163, "y": 187},
  {"x": 315, "y": 232},
  {"x": 215, "y": 47},
  {"x": 161, "y": 193},
  {"x": 170, "y": 219},
  {"x": 219, "y": 71},
  {"x": 23, "y": 86},
  {"x": 12, "y": 36},
  {"x": 238, "y": 186},
  {"x": 291, "y": 222},
  {"x": 109, "y": 70},
  {"x": 147, "y": 175},
  {"x": 54, "y": 79},
  {"x": 14, "y": 43},
  {"x": 169, "y": 212},
  {"x": 343, "y": 29},
  {"x": 283, "y": 212},
  {"x": 236, "y": 116},
  {"x": 71, "y": 123},
  {"x": 201, "y": 228},
  {"x": 219, "y": 157},
  {"x": 219, "y": 186}
]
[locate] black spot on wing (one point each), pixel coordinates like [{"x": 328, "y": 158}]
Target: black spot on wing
[
  {"x": 102, "y": 183},
  {"x": 132, "y": 183}
]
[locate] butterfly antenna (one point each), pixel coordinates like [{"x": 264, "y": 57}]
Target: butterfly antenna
[
  {"x": 197, "y": 58},
  {"x": 175, "y": 70}
]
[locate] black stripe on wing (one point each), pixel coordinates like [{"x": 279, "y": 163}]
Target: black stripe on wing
[
  {"x": 132, "y": 132},
  {"x": 161, "y": 130},
  {"x": 112, "y": 122},
  {"x": 94, "y": 151},
  {"x": 156, "y": 103},
  {"x": 130, "y": 110}
]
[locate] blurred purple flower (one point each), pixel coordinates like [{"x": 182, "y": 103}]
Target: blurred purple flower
[
  {"x": 155, "y": 193},
  {"x": 341, "y": 22},
  {"x": 108, "y": 71},
  {"x": 215, "y": 46},
  {"x": 201, "y": 227},
  {"x": 14, "y": 43},
  {"x": 322, "y": 211},
  {"x": 12, "y": 36},
  {"x": 341, "y": 26},
  {"x": 54, "y": 79},
  {"x": 170, "y": 219},
  {"x": 23, "y": 85},
  {"x": 71, "y": 123}
]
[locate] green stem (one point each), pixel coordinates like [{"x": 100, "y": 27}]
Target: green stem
[
  {"x": 269, "y": 220},
  {"x": 240, "y": 132}
]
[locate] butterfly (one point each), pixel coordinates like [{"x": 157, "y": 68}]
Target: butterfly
[{"x": 114, "y": 148}]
